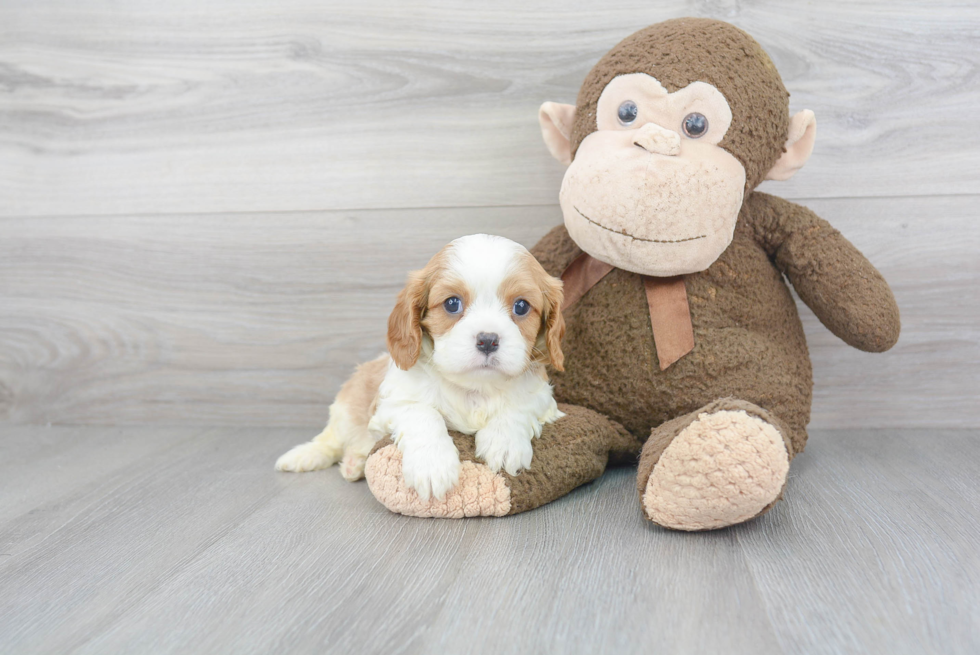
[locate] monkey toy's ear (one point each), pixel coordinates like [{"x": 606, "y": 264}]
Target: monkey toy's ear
[
  {"x": 556, "y": 128},
  {"x": 799, "y": 146}
]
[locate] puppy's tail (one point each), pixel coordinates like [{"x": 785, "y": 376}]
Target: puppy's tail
[{"x": 322, "y": 452}]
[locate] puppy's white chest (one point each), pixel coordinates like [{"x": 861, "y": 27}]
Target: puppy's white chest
[{"x": 472, "y": 411}]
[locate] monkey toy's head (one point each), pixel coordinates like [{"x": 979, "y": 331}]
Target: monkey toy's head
[{"x": 671, "y": 129}]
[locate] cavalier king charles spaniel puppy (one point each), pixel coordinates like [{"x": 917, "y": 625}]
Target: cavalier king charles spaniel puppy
[{"x": 468, "y": 341}]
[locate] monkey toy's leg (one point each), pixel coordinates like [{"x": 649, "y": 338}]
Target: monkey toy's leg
[
  {"x": 570, "y": 452},
  {"x": 723, "y": 464}
]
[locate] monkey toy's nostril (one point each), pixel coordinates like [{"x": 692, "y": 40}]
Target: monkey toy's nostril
[
  {"x": 487, "y": 342},
  {"x": 657, "y": 140}
]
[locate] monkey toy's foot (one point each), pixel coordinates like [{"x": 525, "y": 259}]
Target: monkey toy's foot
[
  {"x": 570, "y": 452},
  {"x": 723, "y": 464}
]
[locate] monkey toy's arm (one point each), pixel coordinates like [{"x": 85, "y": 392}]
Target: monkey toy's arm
[{"x": 831, "y": 276}]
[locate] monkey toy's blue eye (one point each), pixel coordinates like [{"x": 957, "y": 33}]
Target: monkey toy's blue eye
[
  {"x": 695, "y": 125},
  {"x": 521, "y": 307},
  {"x": 627, "y": 112},
  {"x": 453, "y": 305}
]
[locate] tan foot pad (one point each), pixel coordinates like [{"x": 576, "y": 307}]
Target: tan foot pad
[
  {"x": 480, "y": 491},
  {"x": 722, "y": 469}
]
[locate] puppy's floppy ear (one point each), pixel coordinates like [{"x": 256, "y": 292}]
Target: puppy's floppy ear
[
  {"x": 554, "y": 323},
  {"x": 405, "y": 322}
]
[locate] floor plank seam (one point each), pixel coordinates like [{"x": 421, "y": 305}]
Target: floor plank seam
[
  {"x": 757, "y": 588},
  {"x": 422, "y": 208}
]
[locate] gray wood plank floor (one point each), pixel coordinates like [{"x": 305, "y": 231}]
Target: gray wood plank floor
[{"x": 185, "y": 540}]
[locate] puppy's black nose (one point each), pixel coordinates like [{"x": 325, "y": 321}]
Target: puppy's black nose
[{"x": 487, "y": 342}]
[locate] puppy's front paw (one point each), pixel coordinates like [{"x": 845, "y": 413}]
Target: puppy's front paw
[
  {"x": 508, "y": 450},
  {"x": 431, "y": 469}
]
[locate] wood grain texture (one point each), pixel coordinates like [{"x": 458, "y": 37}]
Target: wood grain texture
[
  {"x": 187, "y": 107},
  {"x": 256, "y": 319},
  {"x": 103, "y": 549},
  {"x": 902, "y": 505},
  {"x": 72, "y": 462},
  {"x": 199, "y": 546}
]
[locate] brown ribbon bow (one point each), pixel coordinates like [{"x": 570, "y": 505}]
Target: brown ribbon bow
[{"x": 670, "y": 314}]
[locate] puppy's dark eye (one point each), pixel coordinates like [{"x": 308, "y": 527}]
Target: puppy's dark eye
[
  {"x": 453, "y": 305},
  {"x": 521, "y": 307},
  {"x": 627, "y": 112},
  {"x": 695, "y": 125}
]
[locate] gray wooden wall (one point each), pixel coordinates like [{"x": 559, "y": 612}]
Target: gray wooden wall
[{"x": 206, "y": 208}]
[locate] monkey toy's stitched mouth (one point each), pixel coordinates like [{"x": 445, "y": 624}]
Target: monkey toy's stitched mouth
[{"x": 636, "y": 238}]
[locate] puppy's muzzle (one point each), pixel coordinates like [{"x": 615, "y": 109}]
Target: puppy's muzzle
[{"x": 487, "y": 342}]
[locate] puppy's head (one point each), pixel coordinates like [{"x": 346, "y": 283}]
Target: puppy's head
[{"x": 488, "y": 308}]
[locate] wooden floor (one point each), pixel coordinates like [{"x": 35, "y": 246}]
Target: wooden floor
[{"x": 185, "y": 540}]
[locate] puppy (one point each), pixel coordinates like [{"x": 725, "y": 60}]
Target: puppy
[{"x": 468, "y": 341}]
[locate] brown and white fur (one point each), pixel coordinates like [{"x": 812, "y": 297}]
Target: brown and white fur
[{"x": 477, "y": 367}]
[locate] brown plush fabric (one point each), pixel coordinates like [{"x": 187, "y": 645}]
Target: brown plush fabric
[
  {"x": 847, "y": 293},
  {"x": 670, "y": 314},
  {"x": 612, "y": 366},
  {"x": 749, "y": 341},
  {"x": 570, "y": 452},
  {"x": 685, "y": 50}
]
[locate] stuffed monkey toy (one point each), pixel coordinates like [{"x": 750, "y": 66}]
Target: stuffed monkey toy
[{"x": 683, "y": 347}]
